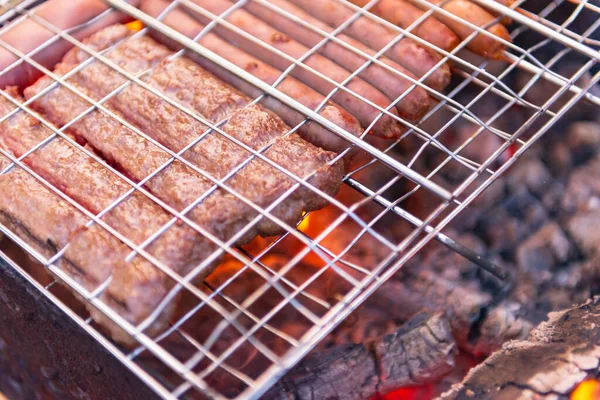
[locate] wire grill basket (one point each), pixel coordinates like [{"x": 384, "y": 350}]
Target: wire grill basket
[{"x": 271, "y": 302}]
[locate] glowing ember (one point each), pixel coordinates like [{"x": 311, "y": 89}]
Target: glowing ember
[
  {"x": 135, "y": 26},
  {"x": 409, "y": 393},
  {"x": 512, "y": 149},
  {"x": 305, "y": 224},
  {"x": 587, "y": 390}
]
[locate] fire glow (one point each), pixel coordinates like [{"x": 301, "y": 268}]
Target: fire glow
[
  {"x": 587, "y": 390},
  {"x": 409, "y": 393},
  {"x": 135, "y": 26}
]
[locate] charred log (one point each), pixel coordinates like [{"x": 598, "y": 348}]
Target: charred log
[
  {"x": 478, "y": 324},
  {"x": 420, "y": 352},
  {"x": 559, "y": 354}
]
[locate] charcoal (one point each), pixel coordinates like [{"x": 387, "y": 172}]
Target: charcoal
[
  {"x": 424, "y": 290},
  {"x": 502, "y": 322},
  {"x": 553, "y": 196},
  {"x": 480, "y": 206},
  {"x": 463, "y": 302},
  {"x": 422, "y": 351},
  {"x": 500, "y": 230},
  {"x": 532, "y": 174},
  {"x": 558, "y": 355},
  {"x": 543, "y": 250},
  {"x": 512, "y": 221},
  {"x": 366, "y": 323},
  {"x": 583, "y": 139},
  {"x": 566, "y": 286},
  {"x": 584, "y": 228},
  {"x": 426, "y": 346},
  {"x": 559, "y": 159},
  {"x": 590, "y": 273},
  {"x": 583, "y": 189},
  {"x": 527, "y": 208},
  {"x": 451, "y": 265}
]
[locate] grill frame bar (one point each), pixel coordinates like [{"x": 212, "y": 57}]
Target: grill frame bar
[{"x": 378, "y": 275}]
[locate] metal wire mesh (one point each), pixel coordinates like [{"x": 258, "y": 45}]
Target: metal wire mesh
[{"x": 271, "y": 301}]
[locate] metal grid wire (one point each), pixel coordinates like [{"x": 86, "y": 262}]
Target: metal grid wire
[{"x": 234, "y": 330}]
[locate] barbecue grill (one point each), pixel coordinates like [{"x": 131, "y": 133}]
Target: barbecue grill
[{"x": 195, "y": 362}]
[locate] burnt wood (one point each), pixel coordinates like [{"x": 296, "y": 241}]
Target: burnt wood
[
  {"x": 479, "y": 324},
  {"x": 420, "y": 352},
  {"x": 558, "y": 355}
]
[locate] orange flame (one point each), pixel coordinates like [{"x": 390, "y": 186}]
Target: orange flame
[
  {"x": 135, "y": 25},
  {"x": 587, "y": 390},
  {"x": 305, "y": 224}
]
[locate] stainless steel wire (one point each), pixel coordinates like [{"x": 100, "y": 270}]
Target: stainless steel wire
[{"x": 392, "y": 175}]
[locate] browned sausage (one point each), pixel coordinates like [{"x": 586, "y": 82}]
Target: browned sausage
[
  {"x": 27, "y": 34},
  {"x": 406, "y": 52},
  {"x": 185, "y": 81},
  {"x": 310, "y": 131},
  {"x": 93, "y": 254},
  {"x": 413, "y": 106},
  {"x": 485, "y": 46},
  {"x": 404, "y": 14},
  {"x": 366, "y": 114}
]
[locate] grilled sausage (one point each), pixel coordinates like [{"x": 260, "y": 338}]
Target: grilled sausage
[
  {"x": 27, "y": 34},
  {"x": 485, "y": 46},
  {"x": 222, "y": 213},
  {"x": 412, "y": 107},
  {"x": 404, "y": 14},
  {"x": 310, "y": 131},
  {"x": 406, "y": 52},
  {"x": 40, "y": 217},
  {"x": 96, "y": 188},
  {"x": 386, "y": 126},
  {"x": 94, "y": 255}
]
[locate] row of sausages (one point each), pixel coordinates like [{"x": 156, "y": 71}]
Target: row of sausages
[
  {"x": 134, "y": 133},
  {"x": 267, "y": 38},
  {"x": 281, "y": 42},
  {"x": 442, "y": 30},
  {"x": 93, "y": 255}
]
